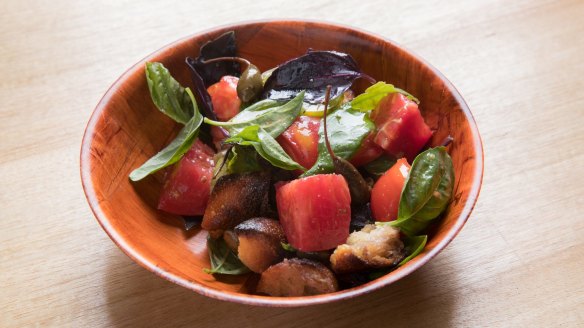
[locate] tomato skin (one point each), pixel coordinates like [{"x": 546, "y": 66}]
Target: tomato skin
[
  {"x": 218, "y": 136},
  {"x": 386, "y": 192},
  {"x": 401, "y": 130},
  {"x": 224, "y": 97},
  {"x": 300, "y": 140},
  {"x": 367, "y": 152},
  {"x": 187, "y": 188},
  {"x": 315, "y": 212}
]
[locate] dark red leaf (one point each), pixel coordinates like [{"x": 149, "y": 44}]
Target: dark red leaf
[
  {"x": 223, "y": 46},
  {"x": 313, "y": 72}
]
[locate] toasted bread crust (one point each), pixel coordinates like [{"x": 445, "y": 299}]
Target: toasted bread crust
[
  {"x": 370, "y": 248},
  {"x": 236, "y": 198},
  {"x": 260, "y": 243},
  {"x": 297, "y": 277}
]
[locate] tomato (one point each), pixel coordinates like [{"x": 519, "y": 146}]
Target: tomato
[
  {"x": 315, "y": 212},
  {"x": 367, "y": 152},
  {"x": 386, "y": 192},
  {"x": 224, "y": 97},
  {"x": 218, "y": 136},
  {"x": 187, "y": 188},
  {"x": 401, "y": 130},
  {"x": 300, "y": 140}
]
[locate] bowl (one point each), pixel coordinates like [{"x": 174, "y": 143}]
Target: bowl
[{"x": 126, "y": 129}]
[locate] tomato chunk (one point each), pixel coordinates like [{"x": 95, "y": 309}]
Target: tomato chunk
[
  {"x": 401, "y": 130},
  {"x": 218, "y": 136},
  {"x": 187, "y": 188},
  {"x": 386, "y": 192},
  {"x": 315, "y": 212},
  {"x": 367, "y": 152},
  {"x": 224, "y": 97},
  {"x": 300, "y": 140}
]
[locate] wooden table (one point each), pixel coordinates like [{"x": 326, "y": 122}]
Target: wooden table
[{"x": 519, "y": 261}]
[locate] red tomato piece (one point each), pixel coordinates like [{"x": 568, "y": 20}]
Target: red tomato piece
[
  {"x": 386, "y": 192},
  {"x": 224, "y": 97},
  {"x": 367, "y": 152},
  {"x": 315, "y": 212},
  {"x": 218, "y": 136},
  {"x": 300, "y": 140},
  {"x": 186, "y": 190},
  {"x": 401, "y": 130}
]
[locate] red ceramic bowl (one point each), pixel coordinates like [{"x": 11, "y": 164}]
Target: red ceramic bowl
[{"x": 126, "y": 129}]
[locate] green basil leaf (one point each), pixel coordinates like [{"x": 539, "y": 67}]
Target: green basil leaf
[
  {"x": 379, "y": 166},
  {"x": 220, "y": 169},
  {"x": 347, "y": 129},
  {"x": 413, "y": 246},
  {"x": 266, "y": 74},
  {"x": 270, "y": 115},
  {"x": 426, "y": 192},
  {"x": 271, "y": 150},
  {"x": 266, "y": 146},
  {"x": 243, "y": 159},
  {"x": 222, "y": 259},
  {"x": 317, "y": 110},
  {"x": 175, "y": 150},
  {"x": 369, "y": 99},
  {"x": 288, "y": 248},
  {"x": 379, "y": 273},
  {"x": 168, "y": 95}
]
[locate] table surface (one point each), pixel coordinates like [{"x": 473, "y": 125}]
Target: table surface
[{"x": 519, "y": 261}]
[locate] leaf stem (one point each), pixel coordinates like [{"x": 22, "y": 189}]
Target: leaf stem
[
  {"x": 447, "y": 141},
  {"x": 368, "y": 78},
  {"x": 239, "y": 60},
  {"x": 326, "y": 103}
]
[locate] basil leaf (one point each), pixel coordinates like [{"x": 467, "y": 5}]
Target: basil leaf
[
  {"x": 266, "y": 74},
  {"x": 220, "y": 168},
  {"x": 360, "y": 217},
  {"x": 203, "y": 97},
  {"x": 243, "y": 159},
  {"x": 222, "y": 259},
  {"x": 175, "y": 150},
  {"x": 379, "y": 166},
  {"x": 413, "y": 247},
  {"x": 317, "y": 110},
  {"x": 426, "y": 192},
  {"x": 167, "y": 94},
  {"x": 271, "y": 151},
  {"x": 266, "y": 146},
  {"x": 369, "y": 99},
  {"x": 347, "y": 129},
  {"x": 379, "y": 273},
  {"x": 270, "y": 115},
  {"x": 287, "y": 247},
  {"x": 312, "y": 72},
  {"x": 222, "y": 46}
]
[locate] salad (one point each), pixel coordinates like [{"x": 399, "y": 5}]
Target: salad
[{"x": 295, "y": 177}]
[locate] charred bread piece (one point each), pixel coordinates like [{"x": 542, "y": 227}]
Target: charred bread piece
[
  {"x": 260, "y": 243},
  {"x": 370, "y": 248},
  {"x": 297, "y": 277},
  {"x": 234, "y": 199}
]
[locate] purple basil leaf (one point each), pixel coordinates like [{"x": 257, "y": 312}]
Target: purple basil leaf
[
  {"x": 223, "y": 46},
  {"x": 313, "y": 72},
  {"x": 200, "y": 92}
]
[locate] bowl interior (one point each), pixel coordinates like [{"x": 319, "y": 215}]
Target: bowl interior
[{"x": 126, "y": 129}]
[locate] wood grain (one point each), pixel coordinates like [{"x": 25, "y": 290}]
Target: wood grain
[{"x": 518, "y": 261}]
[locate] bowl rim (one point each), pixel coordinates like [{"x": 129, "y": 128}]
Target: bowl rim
[{"x": 94, "y": 203}]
